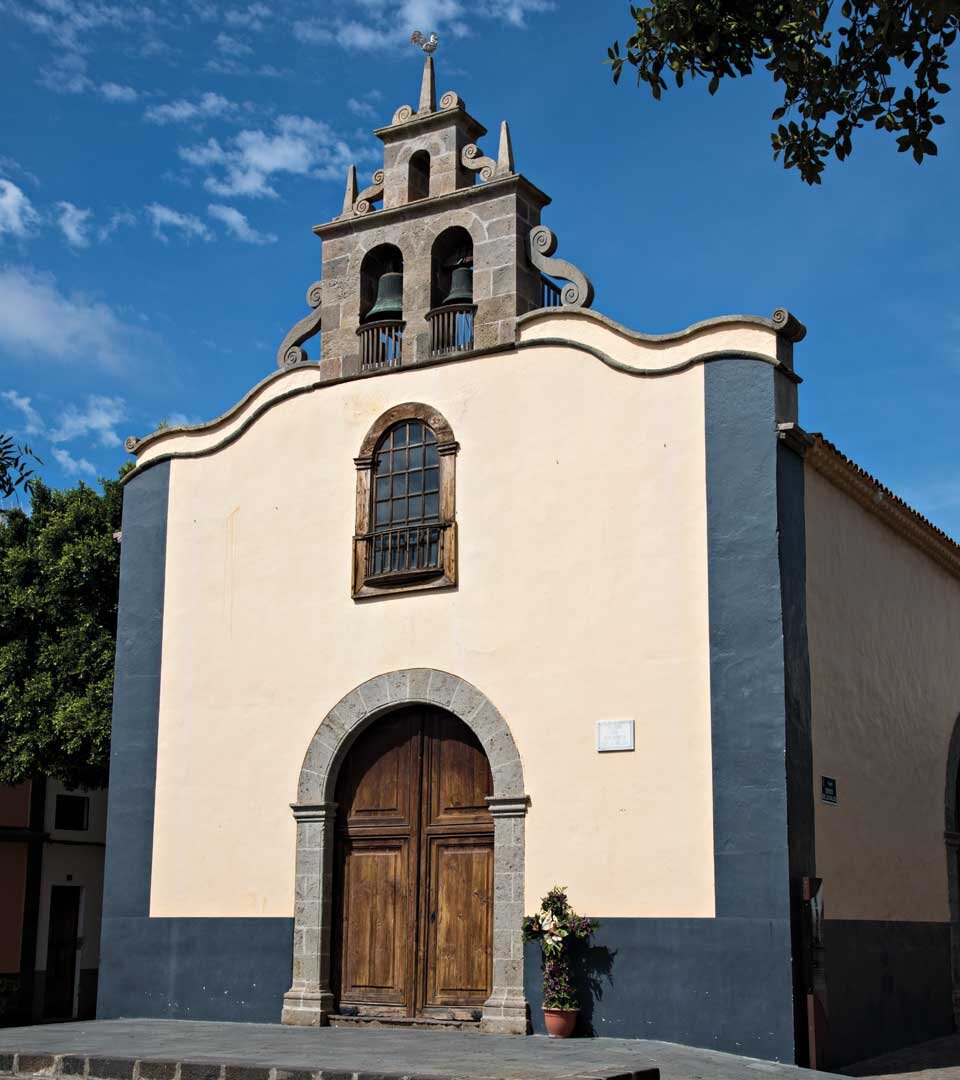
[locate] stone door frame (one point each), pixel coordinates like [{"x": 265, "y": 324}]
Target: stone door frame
[{"x": 309, "y": 1001}]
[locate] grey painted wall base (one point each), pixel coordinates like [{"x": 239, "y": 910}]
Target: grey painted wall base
[
  {"x": 888, "y": 986},
  {"x": 715, "y": 983},
  {"x": 194, "y": 969}
]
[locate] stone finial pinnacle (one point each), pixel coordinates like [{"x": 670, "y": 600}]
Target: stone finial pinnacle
[
  {"x": 428, "y": 89},
  {"x": 350, "y": 195},
  {"x": 505, "y": 153}
]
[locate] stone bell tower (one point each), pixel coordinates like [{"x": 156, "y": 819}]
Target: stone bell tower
[{"x": 438, "y": 256}]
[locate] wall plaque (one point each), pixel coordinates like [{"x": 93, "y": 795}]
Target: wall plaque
[
  {"x": 828, "y": 789},
  {"x": 614, "y": 735}
]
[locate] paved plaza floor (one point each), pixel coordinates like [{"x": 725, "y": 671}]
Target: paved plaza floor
[{"x": 378, "y": 1053}]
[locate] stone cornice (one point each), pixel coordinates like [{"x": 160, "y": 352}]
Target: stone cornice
[
  {"x": 880, "y": 501},
  {"x": 433, "y": 205},
  {"x": 417, "y": 124}
]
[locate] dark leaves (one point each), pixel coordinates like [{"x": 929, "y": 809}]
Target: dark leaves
[{"x": 834, "y": 80}]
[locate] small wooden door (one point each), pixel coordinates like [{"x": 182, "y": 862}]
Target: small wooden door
[
  {"x": 62, "y": 943},
  {"x": 414, "y": 869}
]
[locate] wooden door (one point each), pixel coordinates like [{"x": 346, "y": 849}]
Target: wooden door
[
  {"x": 61, "y": 980},
  {"x": 414, "y": 869}
]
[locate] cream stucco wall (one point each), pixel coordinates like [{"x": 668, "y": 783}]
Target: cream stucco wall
[
  {"x": 582, "y": 596},
  {"x": 884, "y": 635}
]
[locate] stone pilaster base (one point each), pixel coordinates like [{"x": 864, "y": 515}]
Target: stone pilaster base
[
  {"x": 505, "y": 1016},
  {"x": 307, "y": 1008}
]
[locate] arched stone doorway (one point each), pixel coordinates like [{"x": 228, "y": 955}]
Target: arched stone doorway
[{"x": 310, "y": 999}]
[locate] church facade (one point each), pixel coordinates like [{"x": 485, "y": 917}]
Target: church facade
[{"x": 494, "y": 594}]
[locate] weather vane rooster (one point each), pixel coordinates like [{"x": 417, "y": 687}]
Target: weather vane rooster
[{"x": 429, "y": 45}]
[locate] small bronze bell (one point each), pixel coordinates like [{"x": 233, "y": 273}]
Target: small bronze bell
[
  {"x": 389, "y": 302},
  {"x": 461, "y": 286}
]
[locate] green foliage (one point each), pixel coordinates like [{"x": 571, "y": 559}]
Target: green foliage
[
  {"x": 840, "y": 65},
  {"x": 14, "y": 468},
  {"x": 557, "y": 926},
  {"x": 59, "y": 573}
]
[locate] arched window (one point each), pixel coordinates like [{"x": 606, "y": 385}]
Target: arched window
[
  {"x": 452, "y": 308},
  {"x": 406, "y": 529},
  {"x": 418, "y": 178},
  {"x": 381, "y": 308}
]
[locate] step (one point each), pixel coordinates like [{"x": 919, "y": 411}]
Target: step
[
  {"x": 33, "y": 1066},
  {"x": 429, "y": 1022}
]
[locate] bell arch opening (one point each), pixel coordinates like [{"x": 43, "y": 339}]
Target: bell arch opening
[
  {"x": 311, "y": 999},
  {"x": 452, "y": 309},
  {"x": 381, "y": 308},
  {"x": 418, "y": 176}
]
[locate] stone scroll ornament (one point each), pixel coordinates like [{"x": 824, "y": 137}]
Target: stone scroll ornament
[
  {"x": 472, "y": 158},
  {"x": 290, "y": 353},
  {"x": 578, "y": 292},
  {"x": 370, "y": 195}
]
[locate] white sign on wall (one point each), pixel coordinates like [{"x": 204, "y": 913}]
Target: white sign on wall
[{"x": 614, "y": 735}]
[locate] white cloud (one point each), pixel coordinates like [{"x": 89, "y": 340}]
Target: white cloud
[
  {"x": 74, "y": 224},
  {"x": 164, "y": 218},
  {"x": 11, "y": 165},
  {"x": 181, "y": 111},
  {"x": 231, "y": 46},
  {"x": 120, "y": 219},
  {"x": 297, "y": 145},
  {"x": 238, "y": 226},
  {"x": 73, "y": 466},
  {"x": 38, "y": 320},
  {"x": 98, "y": 419},
  {"x": 17, "y": 215},
  {"x": 23, "y": 405},
  {"x": 118, "y": 94},
  {"x": 361, "y": 108},
  {"x": 390, "y": 22},
  {"x": 251, "y": 17},
  {"x": 313, "y": 31}
]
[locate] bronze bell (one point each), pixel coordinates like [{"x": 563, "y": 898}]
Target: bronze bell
[
  {"x": 389, "y": 302},
  {"x": 461, "y": 286}
]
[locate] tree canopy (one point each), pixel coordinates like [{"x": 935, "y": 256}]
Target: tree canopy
[
  {"x": 59, "y": 574},
  {"x": 842, "y": 66}
]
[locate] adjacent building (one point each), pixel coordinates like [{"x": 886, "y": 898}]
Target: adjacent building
[
  {"x": 51, "y": 890},
  {"x": 496, "y": 594}
]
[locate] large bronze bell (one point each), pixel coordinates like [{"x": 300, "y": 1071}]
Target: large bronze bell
[
  {"x": 461, "y": 286},
  {"x": 389, "y": 302}
]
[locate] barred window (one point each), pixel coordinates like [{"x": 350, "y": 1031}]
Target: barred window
[{"x": 405, "y": 515}]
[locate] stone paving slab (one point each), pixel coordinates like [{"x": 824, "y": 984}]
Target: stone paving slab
[
  {"x": 196, "y": 1050},
  {"x": 938, "y": 1059}
]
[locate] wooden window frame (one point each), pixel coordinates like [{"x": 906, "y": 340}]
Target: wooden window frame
[{"x": 447, "y": 446}]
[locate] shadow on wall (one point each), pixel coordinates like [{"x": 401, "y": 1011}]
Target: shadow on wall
[{"x": 592, "y": 967}]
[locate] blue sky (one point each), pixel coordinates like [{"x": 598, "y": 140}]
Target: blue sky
[{"x": 161, "y": 166}]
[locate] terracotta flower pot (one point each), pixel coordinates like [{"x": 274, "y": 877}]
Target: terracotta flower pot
[{"x": 560, "y": 1022}]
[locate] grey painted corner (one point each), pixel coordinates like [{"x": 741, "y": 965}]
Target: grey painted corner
[
  {"x": 747, "y": 685},
  {"x": 136, "y": 696}
]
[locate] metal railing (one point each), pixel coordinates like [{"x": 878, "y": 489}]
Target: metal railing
[
  {"x": 550, "y": 295},
  {"x": 451, "y": 328},
  {"x": 381, "y": 344},
  {"x": 410, "y": 551}
]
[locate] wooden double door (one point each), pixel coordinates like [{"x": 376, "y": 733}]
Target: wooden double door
[{"x": 414, "y": 870}]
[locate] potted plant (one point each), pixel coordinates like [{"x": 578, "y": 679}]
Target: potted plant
[{"x": 556, "y": 926}]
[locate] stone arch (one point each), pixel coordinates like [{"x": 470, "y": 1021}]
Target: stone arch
[
  {"x": 951, "y": 834},
  {"x": 310, "y": 998},
  {"x": 409, "y": 410}
]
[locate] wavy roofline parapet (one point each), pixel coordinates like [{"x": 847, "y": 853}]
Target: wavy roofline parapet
[{"x": 586, "y": 331}]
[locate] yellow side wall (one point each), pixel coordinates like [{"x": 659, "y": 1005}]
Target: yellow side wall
[
  {"x": 884, "y": 634},
  {"x": 582, "y": 596}
]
